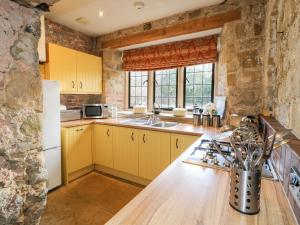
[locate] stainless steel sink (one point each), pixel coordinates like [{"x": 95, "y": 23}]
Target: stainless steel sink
[
  {"x": 142, "y": 122},
  {"x": 164, "y": 124}
]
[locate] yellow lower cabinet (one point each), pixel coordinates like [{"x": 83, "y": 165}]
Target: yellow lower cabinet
[
  {"x": 102, "y": 140},
  {"x": 76, "y": 149},
  {"x": 180, "y": 143},
  {"x": 126, "y": 150},
  {"x": 154, "y": 153}
]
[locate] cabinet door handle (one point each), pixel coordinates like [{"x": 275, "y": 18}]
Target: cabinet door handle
[
  {"x": 144, "y": 136},
  {"x": 107, "y": 133},
  {"x": 132, "y": 136},
  {"x": 177, "y": 143},
  {"x": 80, "y": 129},
  {"x": 73, "y": 84},
  {"x": 81, "y": 85}
]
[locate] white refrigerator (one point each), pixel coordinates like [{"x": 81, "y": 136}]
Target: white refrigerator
[{"x": 51, "y": 132}]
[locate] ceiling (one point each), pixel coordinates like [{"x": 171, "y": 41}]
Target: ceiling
[{"x": 118, "y": 14}]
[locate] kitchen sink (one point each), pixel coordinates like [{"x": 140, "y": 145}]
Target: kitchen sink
[
  {"x": 147, "y": 122},
  {"x": 137, "y": 122},
  {"x": 164, "y": 124}
]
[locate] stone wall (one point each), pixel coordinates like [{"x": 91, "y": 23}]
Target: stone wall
[
  {"x": 239, "y": 70},
  {"x": 113, "y": 79},
  {"x": 282, "y": 62},
  {"x": 23, "y": 177},
  {"x": 64, "y": 36},
  {"x": 240, "y": 67}
]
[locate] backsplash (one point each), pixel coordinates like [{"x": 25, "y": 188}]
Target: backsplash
[
  {"x": 76, "y": 100},
  {"x": 284, "y": 158}
]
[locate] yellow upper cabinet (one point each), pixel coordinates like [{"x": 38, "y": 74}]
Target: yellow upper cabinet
[
  {"x": 78, "y": 72},
  {"x": 154, "y": 153},
  {"x": 89, "y": 73},
  {"x": 179, "y": 143}
]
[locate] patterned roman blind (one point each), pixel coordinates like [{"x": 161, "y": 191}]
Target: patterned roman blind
[{"x": 171, "y": 55}]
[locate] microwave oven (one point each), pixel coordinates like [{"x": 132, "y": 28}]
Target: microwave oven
[{"x": 95, "y": 111}]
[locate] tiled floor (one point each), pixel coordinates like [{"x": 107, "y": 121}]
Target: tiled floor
[{"x": 90, "y": 200}]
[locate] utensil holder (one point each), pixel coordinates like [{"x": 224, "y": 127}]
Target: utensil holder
[{"x": 245, "y": 190}]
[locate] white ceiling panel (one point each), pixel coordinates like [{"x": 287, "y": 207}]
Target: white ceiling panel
[{"x": 118, "y": 14}]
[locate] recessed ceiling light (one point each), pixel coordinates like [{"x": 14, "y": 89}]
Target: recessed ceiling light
[
  {"x": 101, "y": 13},
  {"x": 139, "y": 5}
]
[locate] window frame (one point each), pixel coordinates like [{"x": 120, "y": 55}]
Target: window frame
[
  {"x": 154, "y": 84},
  {"x": 212, "y": 85},
  {"x": 129, "y": 89}
]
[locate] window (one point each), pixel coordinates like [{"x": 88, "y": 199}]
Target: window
[
  {"x": 138, "y": 88},
  {"x": 165, "y": 88},
  {"x": 198, "y": 85}
]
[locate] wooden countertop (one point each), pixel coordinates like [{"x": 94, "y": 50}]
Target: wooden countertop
[
  {"x": 191, "y": 194},
  {"x": 181, "y": 128}
]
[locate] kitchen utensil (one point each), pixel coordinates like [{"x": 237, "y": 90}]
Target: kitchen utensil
[
  {"x": 245, "y": 190},
  {"x": 206, "y": 120},
  {"x": 197, "y": 120},
  {"x": 216, "y": 121}
]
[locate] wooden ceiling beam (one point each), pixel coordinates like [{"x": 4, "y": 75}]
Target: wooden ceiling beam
[{"x": 197, "y": 25}]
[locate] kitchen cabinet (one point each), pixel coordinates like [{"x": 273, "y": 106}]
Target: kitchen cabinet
[
  {"x": 76, "y": 149},
  {"x": 61, "y": 66},
  {"x": 102, "y": 145},
  {"x": 126, "y": 150},
  {"x": 78, "y": 72},
  {"x": 154, "y": 153},
  {"x": 179, "y": 143},
  {"x": 89, "y": 74}
]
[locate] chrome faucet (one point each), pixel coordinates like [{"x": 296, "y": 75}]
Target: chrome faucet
[{"x": 154, "y": 118}]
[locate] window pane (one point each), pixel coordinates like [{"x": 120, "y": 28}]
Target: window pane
[
  {"x": 190, "y": 78},
  {"x": 189, "y": 90},
  {"x": 164, "y": 91},
  {"x": 138, "y": 88},
  {"x": 132, "y": 81},
  {"x": 172, "y": 102},
  {"x": 199, "y": 91},
  {"x": 198, "y": 78},
  {"x": 172, "y": 91},
  {"x": 164, "y": 103},
  {"x": 189, "y": 102},
  {"x": 158, "y": 79},
  {"x": 138, "y": 91},
  {"x": 144, "y": 91},
  {"x": 158, "y": 91},
  {"x": 138, "y": 81},
  {"x": 166, "y": 88},
  {"x": 207, "y": 77},
  {"x": 207, "y": 90}
]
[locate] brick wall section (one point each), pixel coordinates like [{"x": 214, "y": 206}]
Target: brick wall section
[
  {"x": 75, "y": 101},
  {"x": 284, "y": 158},
  {"x": 64, "y": 36}
]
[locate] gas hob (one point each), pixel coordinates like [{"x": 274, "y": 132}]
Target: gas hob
[{"x": 206, "y": 155}]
